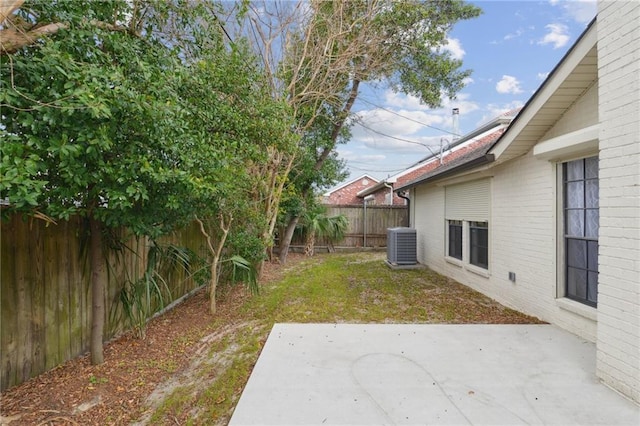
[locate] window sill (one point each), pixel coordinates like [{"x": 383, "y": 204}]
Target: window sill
[
  {"x": 477, "y": 270},
  {"x": 578, "y": 308},
  {"x": 453, "y": 261}
]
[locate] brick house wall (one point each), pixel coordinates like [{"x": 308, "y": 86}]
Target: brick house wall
[
  {"x": 346, "y": 194},
  {"x": 618, "y": 354}
]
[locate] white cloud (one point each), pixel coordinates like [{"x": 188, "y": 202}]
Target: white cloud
[
  {"x": 387, "y": 130},
  {"x": 557, "y": 35},
  {"x": 416, "y": 145},
  {"x": 407, "y": 125},
  {"x": 361, "y": 158},
  {"x": 582, "y": 11},
  {"x": 508, "y": 84},
  {"x": 467, "y": 81},
  {"x": 455, "y": 48},
  {"x": 392, "y": 122},
  {"x": 513, "y": 35},
  {"x": 461, "y": 102},
  {"x": 399, "y": 100}
]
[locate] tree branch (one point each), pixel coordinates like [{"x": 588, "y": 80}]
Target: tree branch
[
  {"x": 14, "y": 39},
  {"x": 7, "y": 7},
  {"x": 337, "y": 127}
]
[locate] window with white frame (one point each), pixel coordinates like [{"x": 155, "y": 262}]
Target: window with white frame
[
  {"x": 467, "y": 222},
  {"x": 479, "y": 244},
  {"x": 581, "y": 224},
  {"x": 455, "y": 239}
]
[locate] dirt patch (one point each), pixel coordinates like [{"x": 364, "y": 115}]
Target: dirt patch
[{"x": 190, "y": 378}]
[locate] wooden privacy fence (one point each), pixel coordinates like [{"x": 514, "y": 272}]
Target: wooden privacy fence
[
  {"x": 45, "y": 300},
  {"x": 45, "y": 309},
  {"x": 366, "y": 228}
]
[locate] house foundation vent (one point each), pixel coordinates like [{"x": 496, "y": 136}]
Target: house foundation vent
[{"x": 401, "y": 246}]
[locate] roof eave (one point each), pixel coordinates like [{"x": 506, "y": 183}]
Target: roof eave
[{"x": 476, "y": 162}]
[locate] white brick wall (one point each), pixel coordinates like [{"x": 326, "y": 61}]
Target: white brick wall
[
  {"x": 523, "y": 240},
  {"x": 618, "y": 337},
  {"x": 428, "y": 219}
]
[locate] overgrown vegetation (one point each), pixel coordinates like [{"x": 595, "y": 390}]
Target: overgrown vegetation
[
  {"x": 319, "y": 55},
  {"x": 136, "y": 114},
  {"x": 148, "y": 115},
  {"x": 317, "y": 225}
]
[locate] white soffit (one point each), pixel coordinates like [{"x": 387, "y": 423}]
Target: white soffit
[{"x": 570, "y": 79}]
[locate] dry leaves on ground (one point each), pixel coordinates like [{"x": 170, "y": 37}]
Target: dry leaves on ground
[{"x": 78, "y": 393}]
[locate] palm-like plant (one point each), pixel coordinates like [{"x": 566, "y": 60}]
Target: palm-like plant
[
  {"x": 316, "y": 224},
  {"x": 143, "y": 296}
]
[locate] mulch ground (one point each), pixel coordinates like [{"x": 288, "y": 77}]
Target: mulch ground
[{"x": 78, "y": 393}]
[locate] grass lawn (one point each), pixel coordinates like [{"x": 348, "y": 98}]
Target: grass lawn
[{"x": 336, "y": 288}]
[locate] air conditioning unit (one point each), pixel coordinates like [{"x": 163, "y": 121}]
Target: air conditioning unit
[{"x": 401, "y": 246}]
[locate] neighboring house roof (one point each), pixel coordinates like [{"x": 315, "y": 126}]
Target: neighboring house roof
[
  {"x": 460, "y": 148},
  {"x": 572, "y": 77},
  {"x": 352, "y": 181},
  {"x": 470, "y": 156},
  {"x": 345, "y": 194}
]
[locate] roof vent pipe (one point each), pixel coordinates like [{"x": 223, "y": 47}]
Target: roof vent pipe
[{"x": 455, "y": 114}]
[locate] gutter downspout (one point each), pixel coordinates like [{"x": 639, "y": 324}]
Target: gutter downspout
[
  {"x": 401, "y": 195},
  {"x": 390, "y": 192}
]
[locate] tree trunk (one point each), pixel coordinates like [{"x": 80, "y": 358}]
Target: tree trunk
[
  {"x": 98, "y": 278},
  {"x": 213, "y": 285},
  {"x": 335, "y": 133},
  {"x": 310, "y": 243},
  {"x": 216, "y": 253},
  {"x": 285, "y": 241}
]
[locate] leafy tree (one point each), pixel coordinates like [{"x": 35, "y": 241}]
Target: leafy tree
[
  {"x": 241, "y": 131},
  {"x": 138, "y": 114},
  {"x": 318, "y": 54},
  {"x": 88, "y": 123},
  {"x": 305, "y": 174}
]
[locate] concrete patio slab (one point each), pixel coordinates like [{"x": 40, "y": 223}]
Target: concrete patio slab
[{"x": 365, "y": 374}]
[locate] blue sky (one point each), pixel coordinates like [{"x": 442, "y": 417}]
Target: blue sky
[{"x": 511, "y": 48}]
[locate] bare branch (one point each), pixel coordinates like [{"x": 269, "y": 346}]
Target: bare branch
[
  {"x": 7, "y": 7},
  {"x": 15, "y": 36},
  {"x": 12, "y": 40}
]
